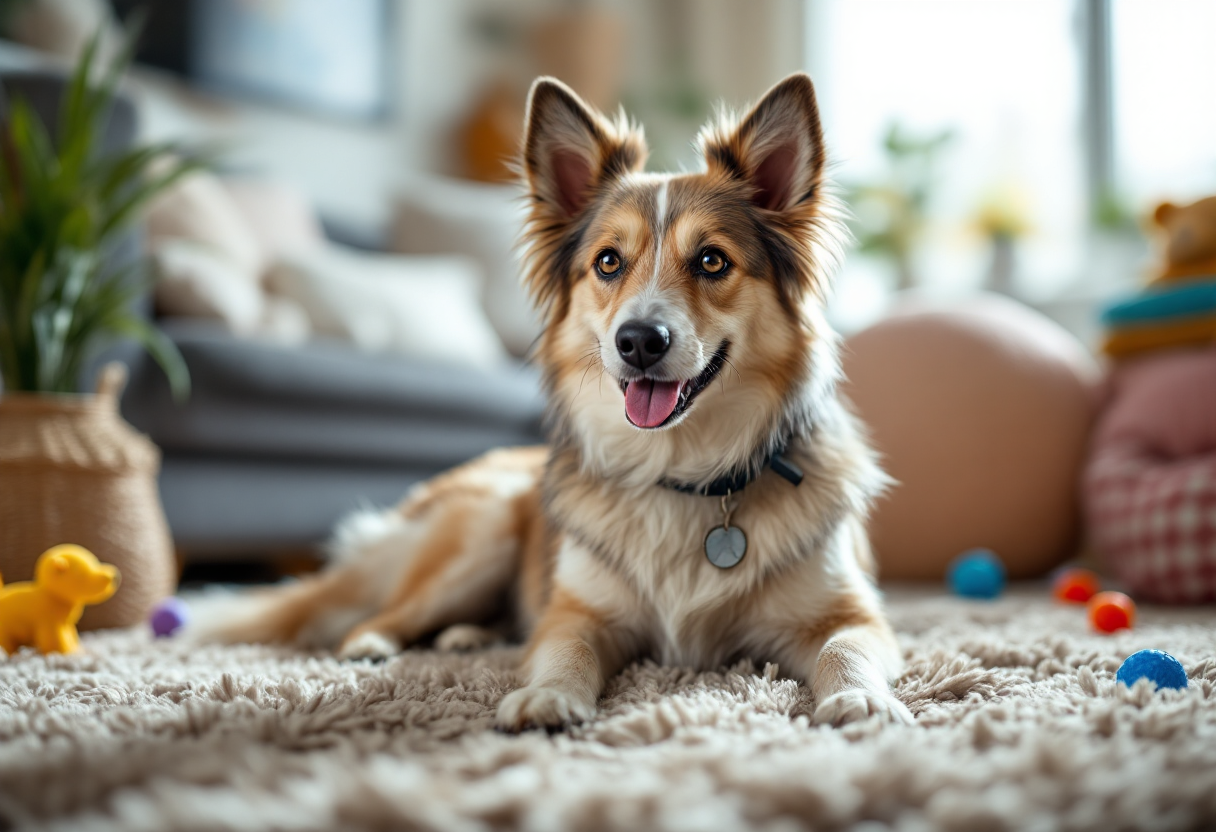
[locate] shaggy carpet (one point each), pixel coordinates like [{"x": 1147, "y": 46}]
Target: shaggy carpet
[{"x": 1020, "y": 725}]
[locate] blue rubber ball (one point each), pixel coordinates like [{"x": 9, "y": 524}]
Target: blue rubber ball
[
  {"x": 1157, "y": 666},
  {"x": 977, "y": 573}
]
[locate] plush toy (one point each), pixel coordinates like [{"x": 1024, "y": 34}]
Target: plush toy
[
  {"x": 42, "y": 613},
  {"x": 1189, "y": 236},
  {"x": 1150, "y": 481}
]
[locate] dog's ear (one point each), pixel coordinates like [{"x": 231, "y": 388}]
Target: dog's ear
[
  {"x": 777, "y": 147},
  {"x": 776, "y": 152},
  {"x": 570, "y": 153},
  {"x": 570, "y": 150}
]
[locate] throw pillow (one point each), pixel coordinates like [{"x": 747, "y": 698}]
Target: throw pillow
[{"x": 422, "y": 307}]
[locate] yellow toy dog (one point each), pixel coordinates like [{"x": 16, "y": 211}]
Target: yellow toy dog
[{"x": 42, "y": 613}]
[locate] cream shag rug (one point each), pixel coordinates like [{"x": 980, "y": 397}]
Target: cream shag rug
[{"x": 1020, "y": 725}]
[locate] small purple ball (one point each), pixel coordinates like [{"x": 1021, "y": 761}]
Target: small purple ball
[{"x": 169, "y": 616}]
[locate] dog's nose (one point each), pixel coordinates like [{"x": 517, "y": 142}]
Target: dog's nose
[{"x": 641, "y": 343}]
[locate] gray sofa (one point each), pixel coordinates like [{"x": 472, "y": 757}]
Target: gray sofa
[{"x": 276, "y": 443}]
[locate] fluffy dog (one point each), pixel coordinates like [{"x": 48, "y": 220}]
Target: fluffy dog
[{"x": 704, "y": 493}]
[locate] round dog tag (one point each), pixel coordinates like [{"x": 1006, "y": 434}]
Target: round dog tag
[{"x": 725, "y": 547}]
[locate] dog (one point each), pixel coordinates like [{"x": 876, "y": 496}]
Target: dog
[{"x": 704, "y": 493}]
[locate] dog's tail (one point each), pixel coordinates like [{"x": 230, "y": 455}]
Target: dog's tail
[{"x": 276, "y": 615}]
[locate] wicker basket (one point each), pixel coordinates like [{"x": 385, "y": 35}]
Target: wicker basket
[{"x": 72, "y": 471}]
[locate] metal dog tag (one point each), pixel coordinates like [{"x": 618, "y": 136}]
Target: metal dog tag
[{"x": 725, "y": 546}]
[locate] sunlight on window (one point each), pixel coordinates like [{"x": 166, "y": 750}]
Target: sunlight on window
[
  {"x": 1004, "y": 77},
  {"x": 1165, "y": 98}
]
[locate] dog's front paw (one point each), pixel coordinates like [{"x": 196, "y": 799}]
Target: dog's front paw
[
  {"x": 369, "y": 645},
  {"x": 537, "y": 707},
  {"x": 465, "y": 637},
  {"x": 857, "y": 704}
]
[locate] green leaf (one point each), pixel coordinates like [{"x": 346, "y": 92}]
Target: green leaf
[
  {"x": 140, "y": 194},
  {"x": 63, "y": 204},
  {"x": 162, "y": 349},
  {"x": 79, "y": 267}
]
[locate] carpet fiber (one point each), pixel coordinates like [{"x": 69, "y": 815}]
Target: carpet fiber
[{"x": 1020, "y": 725}]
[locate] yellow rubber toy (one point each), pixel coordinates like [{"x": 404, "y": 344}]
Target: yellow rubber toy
[{"x": 42, "y": 613}]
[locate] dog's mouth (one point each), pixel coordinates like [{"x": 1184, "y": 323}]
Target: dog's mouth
[{"x": 652, "y": 403}]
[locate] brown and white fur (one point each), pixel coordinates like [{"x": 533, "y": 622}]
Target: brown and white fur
[{"x": 598, "y": 562}]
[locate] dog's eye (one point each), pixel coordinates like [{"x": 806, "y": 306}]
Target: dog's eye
[
  {"x": 713, "y": 262},
  {"x": 608, "y": 263}
]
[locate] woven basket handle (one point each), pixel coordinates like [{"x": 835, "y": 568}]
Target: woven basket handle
[{"x": 112, "y": 381}]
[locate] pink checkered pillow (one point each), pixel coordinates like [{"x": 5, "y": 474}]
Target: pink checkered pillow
[{"x": 1150, "y": 483}]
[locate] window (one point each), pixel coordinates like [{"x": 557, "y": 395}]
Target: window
[
  {"x": 1005, "y": 77},
  {"x": 1164, "y": 74}
]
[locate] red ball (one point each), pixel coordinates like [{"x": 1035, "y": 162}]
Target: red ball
[
  {"x": 1110, "y": 611},
  {"x": 1075, "y": 586}
]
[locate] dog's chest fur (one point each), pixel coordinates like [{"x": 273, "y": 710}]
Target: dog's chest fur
[{"x": 639, "y": 554}]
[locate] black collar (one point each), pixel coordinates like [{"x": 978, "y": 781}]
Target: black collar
[{"x": 735, "y": 481}]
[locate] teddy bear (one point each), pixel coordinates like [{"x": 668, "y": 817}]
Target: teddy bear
[
  {"x": 1149, "y": 486},
  {"x": 42, "y": 613},
  {"x": 1189, "y": 237}
]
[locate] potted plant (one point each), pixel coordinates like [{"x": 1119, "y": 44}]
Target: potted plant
[{"x": 71, "y": 470}]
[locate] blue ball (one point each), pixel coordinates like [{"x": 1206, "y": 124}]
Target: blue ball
[
  {"x": 977, "y": 573},
  {"x": 169, "y": 616},
  {"x": 1158, "y": 667}
]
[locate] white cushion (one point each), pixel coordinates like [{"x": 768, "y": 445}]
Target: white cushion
[
  {"x": 199, "y": 281},
  {"x": 423, "y": 307},
  {"x": 200, "y": 209},
  {"x": 435, "y": 215},
  {"x": 284, "y": 321},
  {"x": 278, "y": 215}
]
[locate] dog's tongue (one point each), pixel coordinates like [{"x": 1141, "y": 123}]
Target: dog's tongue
[{"x": 649, "y": 402}]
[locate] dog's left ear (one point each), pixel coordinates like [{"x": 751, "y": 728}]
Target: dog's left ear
[{"x": 777, "y": 147}]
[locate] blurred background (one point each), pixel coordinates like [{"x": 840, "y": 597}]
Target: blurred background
[{"x": 1015, "y": 145}]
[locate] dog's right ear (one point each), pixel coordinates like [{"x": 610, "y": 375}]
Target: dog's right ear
[{"x": 570, "y": 150}]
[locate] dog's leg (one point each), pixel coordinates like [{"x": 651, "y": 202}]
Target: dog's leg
[
  {"x": 852, "y": 674},
  {"x": 831, "y": 631},
  {"x": 846, "y": 653},
  {"x": 455, "y": 578},
  {"x": 474, "y": 523},
  {"x": 570, "y": 655}
]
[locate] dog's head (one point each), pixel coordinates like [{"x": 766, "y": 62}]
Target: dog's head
[{"x": 683, "y": 325}]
